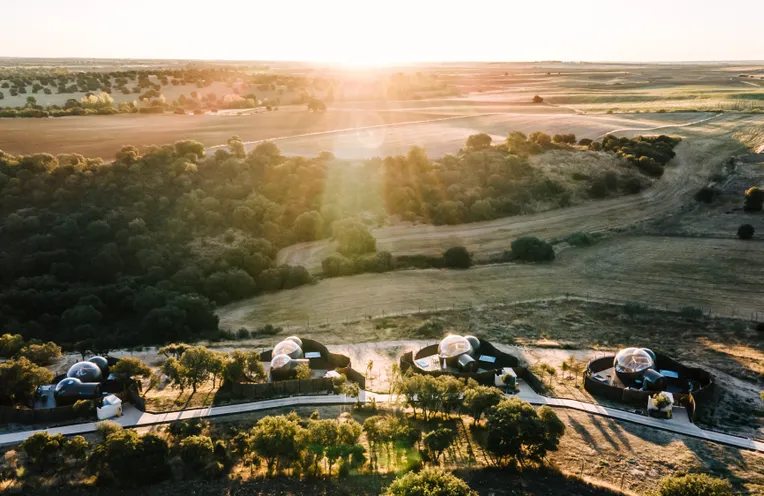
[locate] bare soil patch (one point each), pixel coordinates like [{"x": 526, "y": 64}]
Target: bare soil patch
[{"x": 95, "y": 136}]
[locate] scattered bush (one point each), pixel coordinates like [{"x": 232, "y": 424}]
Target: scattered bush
[
  {"x": 517, "y": 433},
  {"x": 302, "y": 371},
  {"x": 581, "y": 239},
  {"x": 745, "y": 231},
  {"x": 457, "y": 257},
  {"x": 429, "y": 482},
  {"x": 532, "y": 249},
  {"x": 694, "y": 485},
  {"x": 84, "y": 408},
  {"x": 706, "y": 194},
  {"x": 754, "y": 199},
  {"x": 42, "y": 450},
  {"x": 691, "y": 313},
  {"x": 196, "y": 452},
  {"x": 108, "y": 427},
  {"x": 353, "y": 238},
  {"x": 634, "y": 308},
  {"x": 537, "y": 99}
]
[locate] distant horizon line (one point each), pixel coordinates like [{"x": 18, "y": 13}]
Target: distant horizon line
[{"x": 387, "y": 64}]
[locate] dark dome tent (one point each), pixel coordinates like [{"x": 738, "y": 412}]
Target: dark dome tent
[{"x": 85, "y": 372}]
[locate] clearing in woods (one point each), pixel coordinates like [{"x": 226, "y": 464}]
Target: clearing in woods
[{"x": 702, "y": 153}]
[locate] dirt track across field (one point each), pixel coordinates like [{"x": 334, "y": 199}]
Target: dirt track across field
[
  {"x": 443, "y": 135},
  {"x": 721, "y": 274},
  {"x": 697, "y": 157}
]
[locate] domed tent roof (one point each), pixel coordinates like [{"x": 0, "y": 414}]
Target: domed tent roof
[
  {"x": 102, "y": 363},
  {"x": 474, "y": 342},
  {"x": 85, "y": 372},
  {"x": 65, "y": 384},
  {"x": 632, "y": 361},
  {"x": 280, "y": 362},
  {"x": 452, "y": 346},
  {"x": 289, "y": 347}
]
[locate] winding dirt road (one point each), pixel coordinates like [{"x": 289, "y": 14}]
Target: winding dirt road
[
  {"x": 697, "y": 157},
  {"x": 721, "y": 274}
]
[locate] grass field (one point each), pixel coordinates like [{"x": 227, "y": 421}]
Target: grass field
[{"x": 656, "y": 270}]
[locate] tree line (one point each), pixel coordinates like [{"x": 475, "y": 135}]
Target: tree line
[
  {"x": 513, "y": 435},
  {"x": 141, "y": 250}
]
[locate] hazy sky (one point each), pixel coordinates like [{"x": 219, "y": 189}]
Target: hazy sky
[{"x": 362, "y": 31}]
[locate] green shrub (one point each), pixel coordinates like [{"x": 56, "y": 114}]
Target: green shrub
[
  {"x": 532, "y": 249},
  {"x": 706, "y": 194},
  {"x": 457, "y": 257},
  {"x": 429, "y": 330},
  {"x": 754, "y": 199},
  {"x": 108, "y": 427},
  {"x": 692, "y": 313},
  {"x": 42, "y": 450},
  {"x": 633, "y": 308},
  {"x": 336, "y": 265},
  {"x": 581, "y": 238},
  {"x": 745, "y": 231},
  {"x": 694, "y": 485},
  {"x": 186, "y": 428},
  {"x": 84, "y": 408},
  {"x": 429, "y": 482},
  {"x": 196, "y": 452}
]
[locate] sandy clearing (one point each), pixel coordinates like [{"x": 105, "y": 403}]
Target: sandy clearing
[
  {"x": 696, "y": 158},
  {"x": 654, "y": 270}
]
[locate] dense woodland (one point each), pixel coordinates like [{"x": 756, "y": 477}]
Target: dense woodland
[{"x": 141, "y": 249}]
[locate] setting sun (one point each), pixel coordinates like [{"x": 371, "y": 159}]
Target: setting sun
[{"x": 392, "y": 248}]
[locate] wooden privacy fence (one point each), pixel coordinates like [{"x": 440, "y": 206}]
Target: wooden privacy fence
[
  {"x": 292, "y": 387},
  {"x": 282, "y": 388},
  {"x": 10, "y": 415},
  {"x": 691, "y": 401}
]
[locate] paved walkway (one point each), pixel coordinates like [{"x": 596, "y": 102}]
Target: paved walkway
[{"x": 135, "y": 418}]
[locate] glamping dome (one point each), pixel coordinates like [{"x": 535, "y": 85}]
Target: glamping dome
[
  {"x": 457, "y": 351},
  {"x": 632, "y": 361},
  {"x": 632, "y": 365},
  {"x": 281, "y": 361},
  {"x": 291, "y": 346},
  {"x": 101, "y": 363},
  {"x": 71, "y": 389},
  {"x": 85, "y": 372},
  {"x": 453, "y": 346}
]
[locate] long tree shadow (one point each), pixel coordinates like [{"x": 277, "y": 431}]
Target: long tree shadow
[
  {"x": 619, "y": 432},
  {"x": 605, "y": 433},
  {"x": 582, "y": 431},
  {"x": 716, "y": 460}
]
